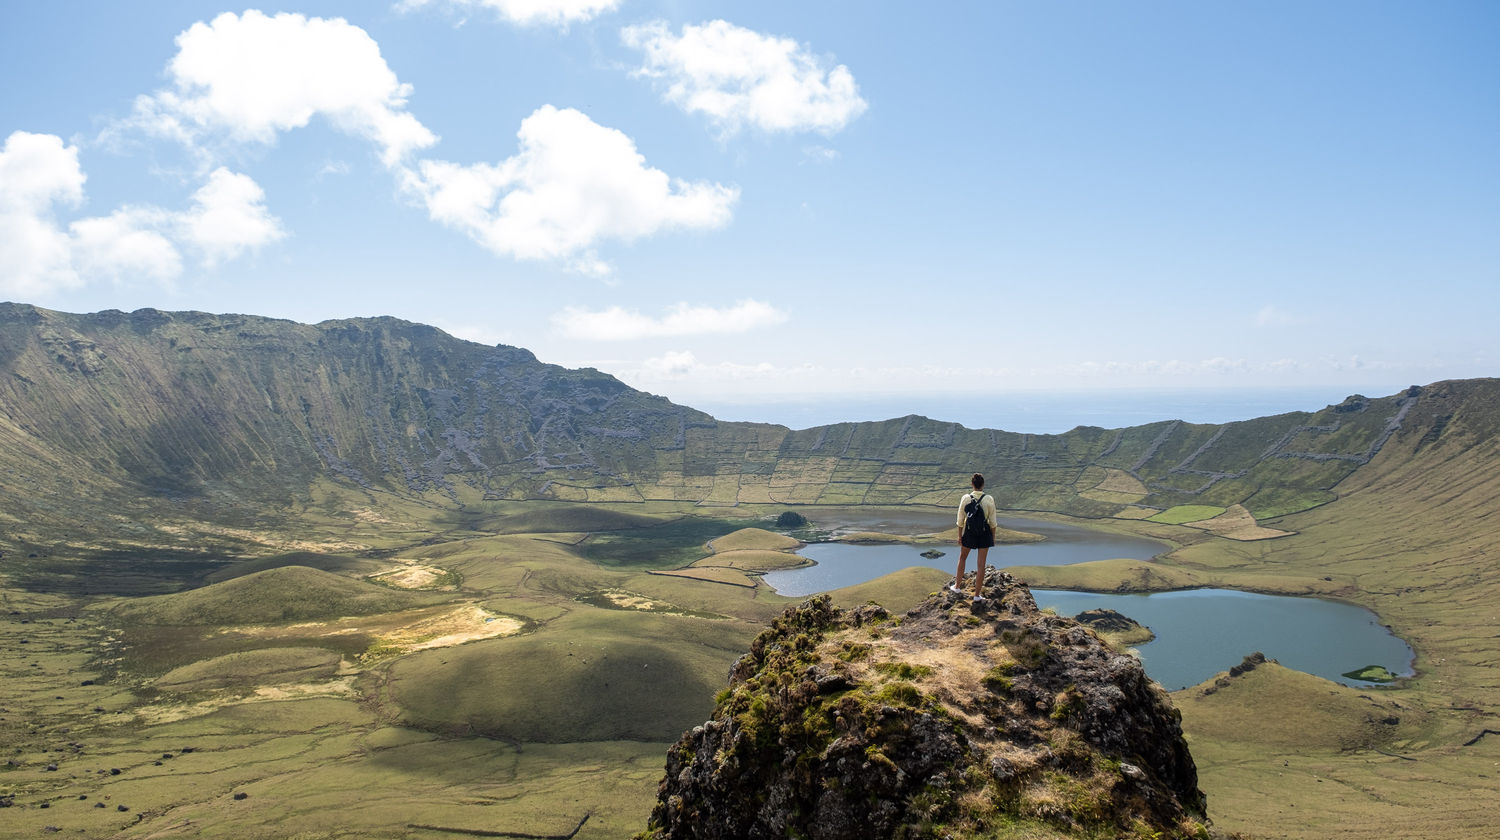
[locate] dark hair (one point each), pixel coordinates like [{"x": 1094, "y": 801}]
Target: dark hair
[{"x": 977, "y": 481}]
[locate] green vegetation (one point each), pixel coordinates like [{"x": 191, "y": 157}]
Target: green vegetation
[
  {"x": 246, "y": 474},
  {"x": 1372, "y": 673},
  {"x": 1181, "y": 514},
  {"x": 668, "y": 546}
]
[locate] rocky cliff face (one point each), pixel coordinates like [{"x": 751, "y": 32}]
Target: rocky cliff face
[{"x": 958, "y": 719}]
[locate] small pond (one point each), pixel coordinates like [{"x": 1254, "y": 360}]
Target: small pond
[{"x": 1199, "y": 632}]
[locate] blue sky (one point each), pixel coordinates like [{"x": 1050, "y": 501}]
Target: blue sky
[{"x": 753, "y": 202}]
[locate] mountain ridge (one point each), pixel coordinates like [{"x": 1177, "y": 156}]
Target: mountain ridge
[{"x": 220, "y": 416}]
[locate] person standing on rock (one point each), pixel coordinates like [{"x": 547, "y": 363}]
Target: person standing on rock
[{"x": 976, "y": 532}]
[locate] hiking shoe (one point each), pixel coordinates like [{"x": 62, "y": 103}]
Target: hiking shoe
[{"x": 953, "y": 587}]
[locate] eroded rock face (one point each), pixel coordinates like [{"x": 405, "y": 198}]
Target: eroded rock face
[{"x": 950, "y": 721}]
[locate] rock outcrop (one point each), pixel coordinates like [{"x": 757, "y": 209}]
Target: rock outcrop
[{"x": 958, "y": 719}]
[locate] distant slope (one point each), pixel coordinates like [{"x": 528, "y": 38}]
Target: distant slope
[
  {"x": 110, "y": 419},
  {"x": 289, "y": 593}
]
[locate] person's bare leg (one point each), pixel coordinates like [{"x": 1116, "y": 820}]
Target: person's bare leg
[
  {"x": 979, "y": 573},
  {"x": 963, "y": 558}
]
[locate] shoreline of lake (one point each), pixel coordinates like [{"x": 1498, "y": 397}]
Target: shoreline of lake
[{"x": 835, "y": 565}]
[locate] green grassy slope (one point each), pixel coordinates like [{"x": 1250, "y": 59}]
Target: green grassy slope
[
  {"x": 206, "y": 432},
  {"x": 288, "y": 593}
]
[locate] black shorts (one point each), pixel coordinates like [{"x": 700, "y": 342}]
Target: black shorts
[{"x": 985, "y": 540}]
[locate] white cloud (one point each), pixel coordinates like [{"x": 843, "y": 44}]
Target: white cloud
[
  {"x": 617, "y": 324},
  {"x": 738, "y": 77},
  {"x": 125, "y": 245},
  {"x": 228, "y": 217},
  {"x": 245, "y": 78},
  {"x": 670, "y": 364},
  {"x": 572, "y": 184},
  {"x": 38, "y": 256},
  {"x": 36, "y": 172},
  {"x": 557, "y": 13}
]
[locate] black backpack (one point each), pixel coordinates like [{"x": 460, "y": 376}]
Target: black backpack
[{"x": 976, "y": 526}]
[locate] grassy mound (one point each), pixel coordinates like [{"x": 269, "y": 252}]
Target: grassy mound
[
  {"x": 252, "y": 668},
  {"x": 335, "y": 563},
  {"x": 595, "y": 684},
  {"x": 289, "y": 593},
  {"x": 756, "y": 539},
  {"x": 1118, "y": 575},
  {"x": 1293, "y": 711},
  {"x": 897, "y": 591},
  {"x": 555, "y": 518}
]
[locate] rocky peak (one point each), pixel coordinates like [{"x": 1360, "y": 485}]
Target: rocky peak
[{"x": 958, "y": 719}]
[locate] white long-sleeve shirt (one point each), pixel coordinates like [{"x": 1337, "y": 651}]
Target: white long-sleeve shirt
[{"x": 986, "y": 504}]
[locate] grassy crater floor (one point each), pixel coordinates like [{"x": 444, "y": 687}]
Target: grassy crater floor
[{"x": 327, "y": 742}]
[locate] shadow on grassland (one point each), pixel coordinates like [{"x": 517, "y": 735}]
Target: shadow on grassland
[{"x": 127, "y": 573}]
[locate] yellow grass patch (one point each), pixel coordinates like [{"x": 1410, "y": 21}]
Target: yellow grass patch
[
  {"x": 260, "y": 538},
  {"x": 1237, "y": 523},
  {"x": 413, "y": 575},
  {"x": 1135, "y": 512},
  {"x": 161, "y": 713},
  {"x": 465, "y": 624},
  {"x": 1119, "y": 481}
]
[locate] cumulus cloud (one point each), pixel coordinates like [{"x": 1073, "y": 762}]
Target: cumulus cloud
[
  {"x": 572, "y": 184},
  {"x": 557, "y": 13},
  {"x": 618, "y": 324},
  {"x": 737, "y": 77},
  {"x": 228, "y": 217},
  {"x": 245, "y": 78},
  {"x": 39, "y": 172},
  {"x": 127, "y": 244}
]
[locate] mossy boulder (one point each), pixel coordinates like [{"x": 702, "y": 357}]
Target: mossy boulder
[{"x": 957, "y": 719}]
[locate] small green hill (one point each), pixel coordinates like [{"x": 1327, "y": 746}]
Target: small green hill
[
  {"x": 754, "y": 539},
  {"x": 252, "y": 668},
  {"x": 289, "y": 593},
  {"x": 606, "y": 676},
  {"x": 898, "y": 591}
]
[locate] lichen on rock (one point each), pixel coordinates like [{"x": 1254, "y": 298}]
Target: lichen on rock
[{"x": 958, "y": 719}]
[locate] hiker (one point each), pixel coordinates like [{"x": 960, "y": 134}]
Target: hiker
[{"x": 976, "y": 531}]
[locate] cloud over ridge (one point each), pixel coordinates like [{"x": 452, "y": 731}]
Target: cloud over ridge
[{"x": 38, "y": 172}]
